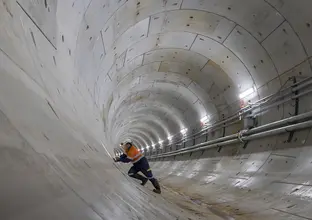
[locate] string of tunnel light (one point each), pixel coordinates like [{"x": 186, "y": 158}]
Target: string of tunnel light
[{"x": 204, "y": 120}]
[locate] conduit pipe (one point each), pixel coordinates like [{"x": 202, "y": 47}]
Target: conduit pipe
[
  {"x": 292, "y": 119},
  {"x": 254, "y": 130},
  {"x": 243, "y": 111},
  {"x": 255, "y": 133},
  {"x": 276, "y": 131},
  {"x": 283, "y": 101}
]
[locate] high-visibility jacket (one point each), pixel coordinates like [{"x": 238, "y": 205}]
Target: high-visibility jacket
[{"x": 132, "y": 154}]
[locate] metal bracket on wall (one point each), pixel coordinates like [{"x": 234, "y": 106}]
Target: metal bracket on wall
[
  {"x": 219, "y": 149},
  {"x": 223, "y": 132},
  {"x": 291, "y": 134},
  {"x": 245, "y": 144}
]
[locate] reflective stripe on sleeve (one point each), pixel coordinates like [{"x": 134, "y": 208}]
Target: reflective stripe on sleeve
[{"x": 137, "y": 156}]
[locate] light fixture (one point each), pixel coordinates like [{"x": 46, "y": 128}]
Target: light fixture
[
  {"x": 183, "y": 131},
  {"x": 246, "y": 93},
  {"x": 161, "y": 141},
  {"x": 204, "y": 119},
  {"x": 170, "y": 137},
  {"x": 153, "y": 145},
  {"x": 147, "y": 147}
]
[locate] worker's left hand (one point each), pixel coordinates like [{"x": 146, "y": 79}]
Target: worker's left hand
[{"x": 116, "y": 159}]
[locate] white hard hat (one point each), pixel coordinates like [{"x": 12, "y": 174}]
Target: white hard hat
[{"x": 128, "y": 140}]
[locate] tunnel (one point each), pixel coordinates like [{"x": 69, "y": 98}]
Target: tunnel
[{"x": 215, "y": 93}]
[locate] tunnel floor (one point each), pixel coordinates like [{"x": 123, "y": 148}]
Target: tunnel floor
[{"x": 181, "y": 206}]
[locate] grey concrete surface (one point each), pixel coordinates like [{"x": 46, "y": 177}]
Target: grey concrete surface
[{"x": 77, "y": 77}]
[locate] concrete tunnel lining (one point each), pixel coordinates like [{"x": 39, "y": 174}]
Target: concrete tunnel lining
[{"x": 76, "y": 76}]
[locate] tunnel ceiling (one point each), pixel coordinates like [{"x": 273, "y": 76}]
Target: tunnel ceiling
[{"x": 159, "y": 66}]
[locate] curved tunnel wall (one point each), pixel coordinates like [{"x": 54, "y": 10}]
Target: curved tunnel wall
[{"x": 76, "y": 76}]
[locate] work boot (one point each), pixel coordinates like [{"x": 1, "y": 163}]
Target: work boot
[
  {"x": 140, "y": 177},
  {"x": 156, "y": 185},
  {"x": 157, "y": 191}
]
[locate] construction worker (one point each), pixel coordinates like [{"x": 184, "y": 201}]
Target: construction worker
[{"x": 140, "y": 163}]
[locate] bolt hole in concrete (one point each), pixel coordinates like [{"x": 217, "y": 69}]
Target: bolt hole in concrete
[
  {"x": 54, "y": 60},
  {"x": 33, "y": 38}
]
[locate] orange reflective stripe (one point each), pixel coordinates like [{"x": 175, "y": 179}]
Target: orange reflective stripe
[
  {"x": 137, "y": 156},
  {"x": 134, "y": 154}
]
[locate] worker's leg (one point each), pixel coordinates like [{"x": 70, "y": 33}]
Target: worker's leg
[
  {"x": 133, "y": 172},
  {"x": 146, "y": 170}
]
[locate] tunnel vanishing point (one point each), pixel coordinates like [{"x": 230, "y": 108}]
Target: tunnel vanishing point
[{"x": 216, "y": 93}]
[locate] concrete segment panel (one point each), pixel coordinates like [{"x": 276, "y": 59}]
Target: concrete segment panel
[
  {"x": 200, "y": 22},
  {"x": 284, "y": 47},
  {"x": 258, "y": 17},
  {"x": 253, "y": 55}
]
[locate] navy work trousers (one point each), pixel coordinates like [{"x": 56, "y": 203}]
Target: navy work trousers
[{"x": 141, "y": 166}]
